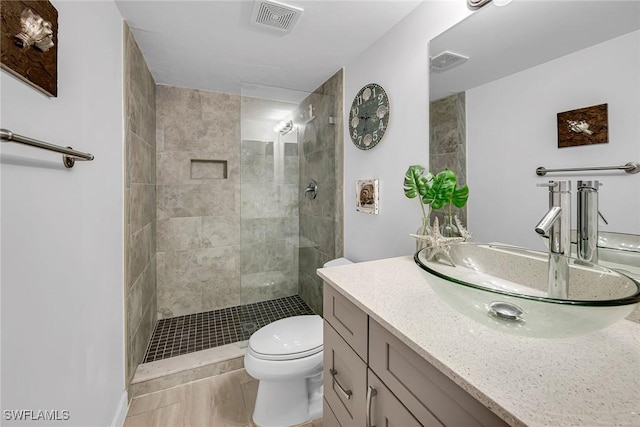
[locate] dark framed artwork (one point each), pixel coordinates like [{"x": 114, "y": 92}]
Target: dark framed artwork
[
  {"x": 584, "y": 126},
  {"x": 29, "y": 45}
]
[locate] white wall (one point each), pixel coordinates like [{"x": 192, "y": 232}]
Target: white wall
[
  {"x": 511, "y": 130},
  {"x": 399, "y": 63},
  {"x": 62, "y": 230}
]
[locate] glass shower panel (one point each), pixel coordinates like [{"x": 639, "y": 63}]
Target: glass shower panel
[{"x": 272, "y": 123}]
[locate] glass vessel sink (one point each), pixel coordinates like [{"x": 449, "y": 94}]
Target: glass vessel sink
[{"x": 505, "y": 288}]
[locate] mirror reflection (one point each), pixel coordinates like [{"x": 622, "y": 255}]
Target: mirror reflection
[{"x": 498, "y": 80}]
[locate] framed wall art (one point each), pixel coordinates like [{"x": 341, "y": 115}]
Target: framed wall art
[
  {"x": 584, "y": 126},
  {"x": 29, "y": 45},
  {"x": 367, "y": 196}
]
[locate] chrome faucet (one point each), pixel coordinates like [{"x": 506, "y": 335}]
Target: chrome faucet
[
  {"x": 587, "y": 224},
  {"x": 557, "y": 224}
]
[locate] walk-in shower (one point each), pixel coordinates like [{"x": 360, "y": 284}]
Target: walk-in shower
[{"x": 238, "y": 247}]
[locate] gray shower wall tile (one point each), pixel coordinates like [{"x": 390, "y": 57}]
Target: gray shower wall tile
[
  {"x": 199, "y": 266},
  {"x": 256, "y": 169},
  {"x": 141, "y": 115},
  {"x": 221, "y": 292},
  {"x": 215, "y": 134},
  {"x": 444, "y": 110},
  {"x": 139, "y": 208},
  {"x": 141, "y": 251},
  {"x": 142, "y": 206},
  {"x": 177, "y": 302},
  {"x": 288, "y": 194},
  {"x": 283, "y": 228},
  {"x": 134, "y": 307},
  {"x": 320, "y": 158},
  {"x": 198, "y": 219},
  {"x": 220, "y": 231},
  {"x": 268, "y": 285},
  {"x": 172, "y": 103},
  {"x": 150, "y": 281},
  {"x": 136, "y": 70},
  {"x": 159, "y": 137},
  {"x": 211, "y": 199},
  {"x": 309, "y": 260},
  {"x": 447, "y": 140},
  {"x": 291, "y": 149},
  {"x": 255, "y": 148},
  {"x": 142, "y": 159},
  {"x": 314, "y": 229},
  {"x": 179, "y": 234},
  {"x": 173, "y": 168},
  {"x": 220, "y": 104},
  {"x": 252, "y": 230},
  {"x": 310, "y": 291},
  {"x": 269, "y": 256},
  {"x": 291, "y": 170},
  {"x": 261, "y": 201}
]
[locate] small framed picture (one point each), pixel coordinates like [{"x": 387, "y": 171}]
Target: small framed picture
[
  {"x": 29, "y": 43},
  {"x": 367, "y": 196},
  {"x": 584, "y": 126}
]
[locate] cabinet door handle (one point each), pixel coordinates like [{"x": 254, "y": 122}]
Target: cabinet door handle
[
  {"x": 371, "y": 392},
  {"x": 346, "y": 393}
]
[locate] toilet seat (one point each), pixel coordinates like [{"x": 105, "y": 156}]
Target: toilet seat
[{"x": 287, "y": 339}]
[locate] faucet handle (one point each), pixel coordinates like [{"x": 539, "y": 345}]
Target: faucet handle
[
  {"x": 547, "y": 184},
  {"x": 557, "y": 186},
  {"x": 603, "y": 218}
]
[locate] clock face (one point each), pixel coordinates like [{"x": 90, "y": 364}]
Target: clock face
[{"x": 369, "y": 116}]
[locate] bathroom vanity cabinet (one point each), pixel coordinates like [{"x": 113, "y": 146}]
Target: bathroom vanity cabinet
[
  {"x": 371, "y": 378},
  {"x": 387, "y": 330}
]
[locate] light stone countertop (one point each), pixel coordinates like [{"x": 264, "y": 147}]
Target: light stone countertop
[{"x": 593, "y": 380}]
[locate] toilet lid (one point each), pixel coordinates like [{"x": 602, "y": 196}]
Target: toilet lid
[{"x": 289, "y": 338}]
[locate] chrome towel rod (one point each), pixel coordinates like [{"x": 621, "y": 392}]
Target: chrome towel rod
[
  {"x": 631, "y": 167},
  {"x": 69, "y": 155}
]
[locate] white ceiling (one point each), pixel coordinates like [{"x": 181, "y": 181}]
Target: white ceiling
[
  {"x": 500, "y": 41},
  {"x": 211, "y": 45}
]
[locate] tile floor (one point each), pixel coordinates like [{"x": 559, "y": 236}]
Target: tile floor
[
  {"x": 195, "y": 332},
  {"x": 225, "y": 400}
]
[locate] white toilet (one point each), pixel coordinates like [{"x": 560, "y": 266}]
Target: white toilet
[{"x": 286, "y": 357}]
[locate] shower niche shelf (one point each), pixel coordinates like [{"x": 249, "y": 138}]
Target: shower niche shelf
[{"x": 208, "y": 169}]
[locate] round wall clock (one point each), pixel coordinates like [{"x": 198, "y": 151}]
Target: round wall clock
[{"x": 369, "y": 116}]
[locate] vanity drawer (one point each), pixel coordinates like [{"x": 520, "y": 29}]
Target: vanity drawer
[
  {"x": 328, "y": 417},
  {"x": 347, "y": 319},
  {"x": 424, "y": 390},
  {"x": 386, "y": 410},
  {"x": 345, "y": 380}
]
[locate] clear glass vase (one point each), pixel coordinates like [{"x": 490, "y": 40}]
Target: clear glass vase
[
  {"x": 448, "y": 227},
  {"x": 423, "y": 230}
]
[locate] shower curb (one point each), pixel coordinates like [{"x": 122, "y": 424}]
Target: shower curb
[{"x": 167, "y": 373}]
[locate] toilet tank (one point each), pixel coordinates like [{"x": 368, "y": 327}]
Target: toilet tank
[{"x": 336, "y": 262}]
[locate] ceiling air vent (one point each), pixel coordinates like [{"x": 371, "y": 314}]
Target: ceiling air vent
[
  {"x": 275, "y": 15},
  {"x": 447, "y": 60}
]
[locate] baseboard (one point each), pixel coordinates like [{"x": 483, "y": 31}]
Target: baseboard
[{"x": 121, "y": 412}]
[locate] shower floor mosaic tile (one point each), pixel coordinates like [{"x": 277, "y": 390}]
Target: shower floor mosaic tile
[{"x": 194, "y": 332}]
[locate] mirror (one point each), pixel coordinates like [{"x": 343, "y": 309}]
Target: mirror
[{"x": 494, "y": 116}]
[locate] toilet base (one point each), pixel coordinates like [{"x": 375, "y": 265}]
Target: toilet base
[{"x": 287, "y": 403}]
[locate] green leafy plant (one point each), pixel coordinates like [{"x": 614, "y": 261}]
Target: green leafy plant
[
  {"x": 417, "y": 184},
  {"x": 439, "y": 192}
]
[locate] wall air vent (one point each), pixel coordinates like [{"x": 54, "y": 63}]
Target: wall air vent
[
  {"x": 275, "y": 15},
  {"x": 446, "y": 60}
]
